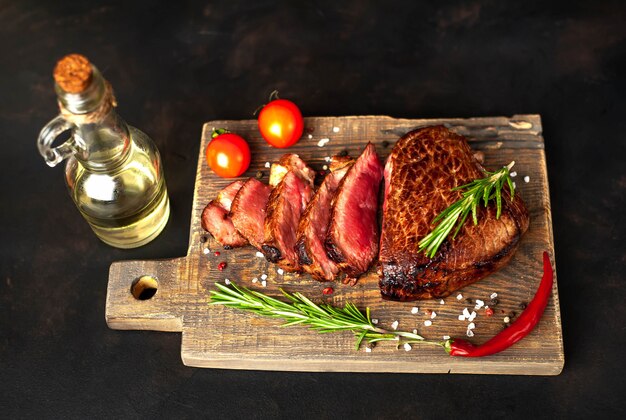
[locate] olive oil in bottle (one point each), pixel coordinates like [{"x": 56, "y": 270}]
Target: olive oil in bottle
[{"x": 113, "y": 171}]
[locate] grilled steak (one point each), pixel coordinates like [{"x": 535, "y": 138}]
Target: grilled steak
[
  {"x": 420, "y": 172},
  {"x": 216, "y": 221},
  {"x": 286, "y": 204},
  {"x": 314, "y": 224},
  {"x": 352, "y": 236},
  {"x": 248, "y": 210},
  {"x": 290, "y": 162}
]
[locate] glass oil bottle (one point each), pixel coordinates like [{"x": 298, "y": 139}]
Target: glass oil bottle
[{"x": 113, "y": 171}]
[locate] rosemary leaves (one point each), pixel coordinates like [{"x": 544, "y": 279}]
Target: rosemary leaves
[
  {"x": 483, "y": 189},
  {"x": 300, "y": 310}
]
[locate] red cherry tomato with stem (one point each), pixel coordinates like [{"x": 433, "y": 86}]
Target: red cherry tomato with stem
[
  {"x": 281, "y": 123},
  {"x": 227, "y": 154}
]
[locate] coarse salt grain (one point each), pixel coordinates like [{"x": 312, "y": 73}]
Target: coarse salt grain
[
  {"x": 493, "y": 295},
  {"x": 446, "y": 337},
  {"x": 267, "y": 164},
  {"x": 442, "y": 302},
  {"x": 428, "y": 323},
  {"x": 394, "y": 325},
  {"x": 367, "y": 349},
  {"x": 325, "y": 167},
  {"x": 466, "y": 313},
  {"x": 335, "y": 129},
  {"x": 206, "y": 250},
  {"x": 263, "y": 276},
  {"x": 513, "y": 174},
  {"x": 414, "y": 310},
  {"x": 527, "y": 179},
  {"x": 280, "y": 271},
  {"x": 415, "y": 331},
  {"x": 374, "y": 321},
  {"x": 226, "y": 281},
  {"x": 514, "y": 186},
  {"x": 264, "y": 283},
  {"x": 461, "y": 317},
  {"x": 479, "y": 304},
  {"x": 322, "y": 142},
  {"x": 310, "y": 136},
  {"x": 433, "y": 315},
  {"x": 459, "y": 296},
  {"x": 469, "y": 333},
  {"x": 407, "y": 347},
  {"x": 472, "y": 316},
  {"x": 327, "y": 158},
  {"x": 471, "y": 326},
  {"x": 254, "y": 280},
  {"x": 259, "y": 254},
  {"x": 507, "y": 319}
]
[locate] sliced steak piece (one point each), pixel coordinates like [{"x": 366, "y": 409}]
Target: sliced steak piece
[
  {"x": 227, "y": 195},
  {"x": 291, "y": 162},
  {"x": 420, "y": 172},
  {"x": 352, "y": 237},
  {"x": 248, "y": 210},
  {"x": 216, "y": 221},
  {"x": 314, "y": 224},
  {"x": 286, "y": 204}
]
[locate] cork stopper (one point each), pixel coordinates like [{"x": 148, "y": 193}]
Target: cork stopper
[{"x": 73, "y": 73}]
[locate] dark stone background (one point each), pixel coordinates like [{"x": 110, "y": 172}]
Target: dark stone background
[{"x": 179, "y": 64}]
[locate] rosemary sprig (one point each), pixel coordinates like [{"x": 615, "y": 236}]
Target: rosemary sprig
[
  {"x": 300, "y": 310},
  {"x": 483, "y": 189}
]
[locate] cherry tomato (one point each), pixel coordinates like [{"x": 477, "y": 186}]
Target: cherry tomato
[
  {"x": 281, "y": 123},
  {"x": 228, "y": 155}
]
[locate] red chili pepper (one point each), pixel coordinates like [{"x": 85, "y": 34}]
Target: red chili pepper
[
  {"x": 216, "y": 253},
  {"x": 518, "y": 329},
  {"x": 328, "y": 291},
  {"x": 489, "y": 311},
  {"x": 221, "y": 266}
]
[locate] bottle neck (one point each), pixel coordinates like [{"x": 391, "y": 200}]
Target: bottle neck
[{"x": 101, "y": 137}]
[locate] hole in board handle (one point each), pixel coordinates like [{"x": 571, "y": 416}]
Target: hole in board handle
[{"x": 144, "y": 287}]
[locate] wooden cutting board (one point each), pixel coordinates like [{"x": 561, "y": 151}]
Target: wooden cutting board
[{"x": 220, "y": 337}]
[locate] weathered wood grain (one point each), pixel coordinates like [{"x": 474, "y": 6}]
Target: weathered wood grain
[{"x": 224, "y": 338}]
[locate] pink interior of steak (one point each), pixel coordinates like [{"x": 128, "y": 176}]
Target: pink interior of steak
[
  {"x": 216, "y": 221},
  {"x": 352, "y": 239},
  {"x": 314, "y": 226},
  {"x": 227, "y": 195},
  {"x": 248, "y": 210},
  {"x": 285, "y": 206}
]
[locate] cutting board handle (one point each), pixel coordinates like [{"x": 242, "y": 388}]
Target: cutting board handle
[{"x": 143, "y": 295}]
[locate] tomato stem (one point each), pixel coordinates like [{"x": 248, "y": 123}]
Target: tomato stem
[
  {"x": 273, "y": 95},
  {"x": 218, "y": 132}
]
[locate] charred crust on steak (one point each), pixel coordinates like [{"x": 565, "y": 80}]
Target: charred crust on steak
[
  {"x": 303, "y": 257},
  {"x": 333, "y": 252},
  {"x": 272, "y": 254},
  {"x": 421, "y": 171}
]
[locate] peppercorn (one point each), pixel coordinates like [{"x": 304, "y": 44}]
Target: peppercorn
[
  {"x": 343, "y": 153},
  {"x": 494, "y": 302},
  {"x": 523, "y": 305},
  {"x": 203, "y": 239},
  {"x": 385, "y": 144},
  {"x": 259, "y": 175}
]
